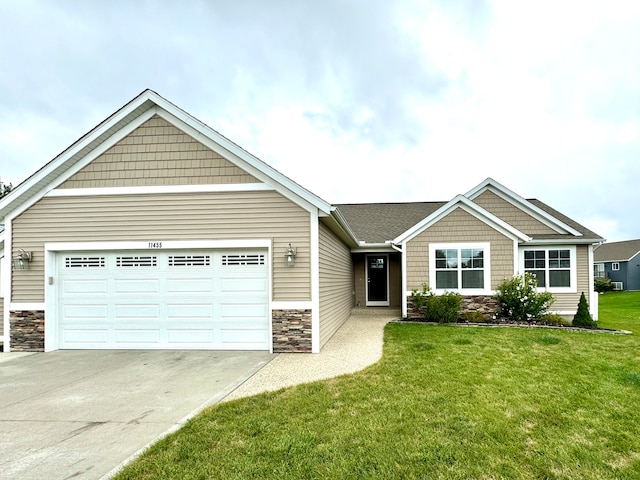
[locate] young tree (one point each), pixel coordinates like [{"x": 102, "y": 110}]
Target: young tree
[{"x": 583, "y": 318}]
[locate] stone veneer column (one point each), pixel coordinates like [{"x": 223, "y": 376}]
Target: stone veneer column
[
  {"x": 291, "y": 331},
  {"x": 27, "y": 330}
]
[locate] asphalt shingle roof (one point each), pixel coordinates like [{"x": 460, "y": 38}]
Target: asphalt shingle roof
[
  {"x": 617, "y": 251},
  {"x": 381, "y": 222}
]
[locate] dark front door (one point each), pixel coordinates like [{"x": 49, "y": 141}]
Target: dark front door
[{"x": 377, "y": 280}]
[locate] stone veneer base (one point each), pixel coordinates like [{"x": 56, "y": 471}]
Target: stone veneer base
[
  {"x": 487, "y": 305},
  {"x": 291, "y": 331},
  {"x": 27, "y": 330}
]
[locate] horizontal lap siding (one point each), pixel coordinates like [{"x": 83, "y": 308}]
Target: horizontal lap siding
[
  {"x": 569, "y": 301},
  {"x": 458, "y": 227},
  {"x": 511, "y": 214},
  {"x": 157, "y": 153},
  {"x": 336, "y": 283},
  {"x": 195, "y": 216}
]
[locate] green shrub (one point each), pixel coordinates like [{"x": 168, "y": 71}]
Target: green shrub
[
  {"x": 583, "y": 318},
  {"x": 602, "y": 284},
  {"x": 474, "y": 316},
  {"x": 443, "y": 308},
  {"x": 419, "y": 298},
  {"x": 519, "y": 299},
  {"x": 554, "y": 319}
]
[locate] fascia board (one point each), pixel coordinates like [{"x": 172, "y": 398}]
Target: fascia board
[
  {"x": 471, "y": 208},
  {"x": 522, "y": 203},
  {"x": 564, "y": 241},
  {"x": 256, "y": 167},
  {"x": 373, "y": 248},
  {"x": 338, "y": 225}
]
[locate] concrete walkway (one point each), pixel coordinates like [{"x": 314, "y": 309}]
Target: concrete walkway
[{"x": 356, "y": 345}]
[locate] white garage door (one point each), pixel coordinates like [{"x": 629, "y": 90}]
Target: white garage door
[{"x": 164, "y": 299}]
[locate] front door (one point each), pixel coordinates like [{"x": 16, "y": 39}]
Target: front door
[{"x": 377, "y": 280}]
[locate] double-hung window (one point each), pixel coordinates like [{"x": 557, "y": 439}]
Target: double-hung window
[
  {"x": 459, "y": 267},
  {"x": 554, "y": 268}
]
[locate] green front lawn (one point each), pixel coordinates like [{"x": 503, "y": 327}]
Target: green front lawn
[{"x": 444, "y": 402}]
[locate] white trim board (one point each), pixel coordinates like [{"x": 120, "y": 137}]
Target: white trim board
[{"x": 160, "y": 189}]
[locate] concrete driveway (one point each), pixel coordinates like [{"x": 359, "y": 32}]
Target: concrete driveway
[{"x": 80, "y": 414}]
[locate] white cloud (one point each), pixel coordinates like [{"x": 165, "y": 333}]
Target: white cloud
[{"x": 375, "y": 101}]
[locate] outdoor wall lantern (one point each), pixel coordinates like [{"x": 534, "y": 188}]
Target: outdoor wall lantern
[
  {"x": 22, "y": 260},
  {"x": 290, "y": 256}
]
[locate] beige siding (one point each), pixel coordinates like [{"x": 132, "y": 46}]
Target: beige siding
[
  {"x": 458, "y": 226},
  {"x": 1, "y": 316},
  {"x": 569, "y": 301},
  {"x": 195, "y": 216},
  {"x": 336, "y": 283},
  {"x": 511, "y": 214},
  {"x": 157, "y": 153}
]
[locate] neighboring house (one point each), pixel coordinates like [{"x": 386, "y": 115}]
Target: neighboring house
[
  {"x": 620, "y": 262},
  {"x": 155, "y": 231}
]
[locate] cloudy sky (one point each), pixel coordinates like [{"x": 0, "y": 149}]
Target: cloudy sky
[{"x": 356, "y": 100}]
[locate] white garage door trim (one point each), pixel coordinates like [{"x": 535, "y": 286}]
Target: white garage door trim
[{"x": 55, "y": 251}]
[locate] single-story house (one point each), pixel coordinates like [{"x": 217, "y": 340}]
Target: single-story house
[
  {"x": 620, "y": 262},
  {"x": 155, "y": 231}
]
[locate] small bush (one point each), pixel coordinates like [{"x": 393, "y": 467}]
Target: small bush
[
  {"x": 583, "y": 318},
  {"x": 474, "y": 316},
  {"x": 420, "y": 298},
  {"x": 602, "y": 284},
  {"x": 554, "y": 319},
  {"x": 443, "y": 308},
  {"x": 519, "y": 299}
]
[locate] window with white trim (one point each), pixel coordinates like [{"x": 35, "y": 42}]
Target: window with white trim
[
  {"x": 554, "y": 268},
  {"x": 615, "y": 266},
  {"x": 459, "y": 267},
  {"x": 598, "y": 270}
]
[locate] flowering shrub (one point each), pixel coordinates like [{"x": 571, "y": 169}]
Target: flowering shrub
[{"x": 519, "y": 299}]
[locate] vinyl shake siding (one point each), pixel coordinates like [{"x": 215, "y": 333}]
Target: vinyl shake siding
[
  {"x": 336, "y": 283},
  {"x": 157, "y": 153},
  {"x": 155, "y": 217},
  {"x": 511, "y": 214},
  {"x": 459, "y": 227}
]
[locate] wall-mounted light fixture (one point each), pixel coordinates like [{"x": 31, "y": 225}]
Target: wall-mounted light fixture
[
  {"x": 22, "y": 260},
  {"x": 290, "y": 256}
]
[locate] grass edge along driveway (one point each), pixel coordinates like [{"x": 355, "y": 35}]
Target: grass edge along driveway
[{"x": 444, "y": 402}]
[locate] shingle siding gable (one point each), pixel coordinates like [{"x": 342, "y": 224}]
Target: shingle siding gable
[
  {"x": 512, "y": 214},
  {"x": 157, "y": 153}
]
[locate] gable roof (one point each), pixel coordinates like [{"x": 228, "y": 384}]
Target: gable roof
[
  {"x": 120, "y": 124},
  {"x": 395, "y": 222},
  {"x": 526, "y": 206},
  {"x": 617, "y": 251},
  {"x": 370, "y": 223},
  {"x": 460, "y": 201}
]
